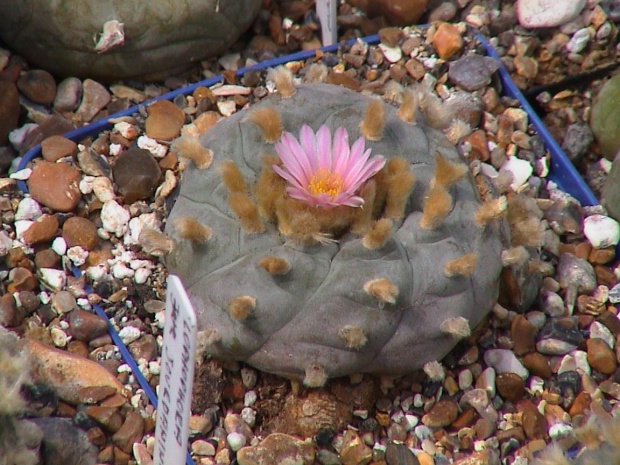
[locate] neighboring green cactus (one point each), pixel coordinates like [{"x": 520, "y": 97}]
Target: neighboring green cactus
[{"x": 313, "y": 292}]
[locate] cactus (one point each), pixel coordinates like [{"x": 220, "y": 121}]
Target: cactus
[
  {"x": 302, "y": 281},
  {"x": 19, "y": 438}
]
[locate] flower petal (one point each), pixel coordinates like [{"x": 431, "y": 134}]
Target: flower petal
[
  {"x": 340, "y": 150},
  {"x": 351, "y": 176},
  {"x": 307, "y": 138},
  {"x": 324, "y": 148},
  {"x": 299, "y": 154},
  {"x": 288, "y": 177},
  {"x": 372, "y": 167},
  {"x": 348, "y": 200},
  {"x": 290, "y": 162}
]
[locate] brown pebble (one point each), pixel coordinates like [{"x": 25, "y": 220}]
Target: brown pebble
[
  {"x": 95, "y": 97},
  {"x": 78, "y": 348},
  {"x": 55, "y": 185},
  {"x": 602, "y": 256},
  {"x": 465, "y": 419},
  {"x": 145, "y": 347},
  {"x": 534, "y": 423},
  {"x": 600, "y": 356},
  {"x": 484, "y": 428},
  {"x": 415, "y": 69},
  {"x": 353, "y": 450},
  {"x": 10, "y": 314},
  {"x": 42, "y": 230},
  {"x": 9, "y": 109},
  {"x": 605, "y": 276},
  {"x": 86, "y": 326},
  {"x": 396, "y": 12},
  {"x": 523, "y": 334},
  {"x": 510, "y": 386},
  {"x": 399, "y": 454},
  {"x": 442, "y": 414},
  {"x": 136, "y": 174},
  {"x": 447, "y": 41},
  {"x": 581, "y": 250},
  {"x": 390, "y": 36},
  {"x": 38, "y": 86},
  {"x": 479, "y": 148},
  {"x": 79, "y": 231},
  {"x": 165, "y": 120},
  {"x": 538, "y": 365},
  {"x": 279, "y": 448},
  {"x": 610, "y": 320},
  {"x": 526, "y": 67},
  {"x": 22, "y": 280},
  {"x": 581, "y": 404},
  {"x": 107, "y": 417},
  {"x": 47, "y": 258},
  {"x": 56, "y": 147},
  {"x": 131, "y": 431}
]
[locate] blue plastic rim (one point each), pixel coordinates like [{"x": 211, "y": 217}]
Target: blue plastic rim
[{"x": 562, "y": 171}]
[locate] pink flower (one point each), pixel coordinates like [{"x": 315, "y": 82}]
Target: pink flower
[{"x": 323, "y": 174}]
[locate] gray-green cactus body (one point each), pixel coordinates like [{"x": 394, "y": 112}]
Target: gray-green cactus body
[{"x": 299, "y": 317}]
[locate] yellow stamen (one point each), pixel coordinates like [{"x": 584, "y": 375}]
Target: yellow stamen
[{"x": 325, "y": 182}]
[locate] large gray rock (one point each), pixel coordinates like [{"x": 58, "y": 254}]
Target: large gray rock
[
  {"x": 160, "y": 36},
  {"x": 298, "y": 318}
]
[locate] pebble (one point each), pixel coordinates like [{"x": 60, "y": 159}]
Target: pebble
[
  {"x": 86, "y": 326},
  {"x": 601, "y": 231},
  {"x": 526, "y": 66},
  {"x": 523, "y": 334},
  {"x": 63, "y": 302},
  {"x": 114, "y": 218},
  {"x": 130, "y": 432},
  {"x": 542, "y": 13},
  {"x": 600, "y": 356},
  {"x": 136, "y": 174},
  {"x": 164, "y": 121},
  {"x": 579, "y": 41},
  {"x": 203, "y": 448},
  {"x": 42, "y": 230},
  {"x": 353, "y": 450},
  {"x": 447, "y": 41},
  {"x": 129, "y": 334},
  {"x": 55, "y": 185},
  {"x": 599, "y": 330},
  {"x": 279, "y": 448},
  {"x": 156, "y": 149},
  {"x": 472, "y": 72},
  {"x": 577, "y": 140},
  {"x": 56, "y": 147},
  {"x": 399, "y": 454},
  {"x": 520, "y": 170},
  {"x": 442, "y": 414},
  {"x": 68, "y": 94},
  {"x": 52, "y": 278},
  {"x": 79, "y": 231},
  {"x": 510, "y": 386},
  {"x": 94, "y": 99},
  {"x": 28, "y": 209},
  {"x": 505, "y": 361},
  {"x": 38, "y": 86},
  {"x": 68, "y": 374},
  {"x": 93, "y": 164},
  {"x": 9, "y": 109}
]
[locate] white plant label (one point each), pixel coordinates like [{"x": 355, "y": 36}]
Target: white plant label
[
  {"x": 176, "y": 377},
  {"x": 326, "y": 10}
]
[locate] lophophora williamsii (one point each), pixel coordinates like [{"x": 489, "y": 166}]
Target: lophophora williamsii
[{"x": 323, "y": 232}]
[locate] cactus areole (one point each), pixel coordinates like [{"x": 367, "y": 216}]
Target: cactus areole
[{"x": 327, "y": 256}]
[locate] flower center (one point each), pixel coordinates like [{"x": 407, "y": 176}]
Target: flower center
[{"x": 325, "y": 182}]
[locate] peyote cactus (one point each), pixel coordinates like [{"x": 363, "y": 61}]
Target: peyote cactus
[{"x": 314, "y": 265}]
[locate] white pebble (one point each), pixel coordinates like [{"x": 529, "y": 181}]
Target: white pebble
[
  {"x": 18, "y": 136},
  {"x": 103, "y": 189},
  {"x": 59, "y": 245},
  {"x": 128, "y": 131},
  {"x": 600, "y": 331},
  {"x": 521, "y": 170},
  {"x": 86, "y": 184},
  {"x": 77, "y": 255},
  {"x": 6, "y": 243},
  {"x": 249, "y": 416},
  {"x": 410, "y": 422},
  {"x": 250, "y": 398},
  {"x": 53, "y": 279},
  {"x": 227, "y": 107},
  {"x": 28, "y": 209},
  {"x": 120, "y": 270},
  {"x": 114, "y": 218},
  {"x": 567, "y": 364},
  {"x": 391, "y": 54},
  {"x": 601, "y": 231},
  {"x": 154, "y": 367},
  {"x": 537, "y": 385},
  {"x": 236, "y": 441},
  {"x": 59, "y": 337},
  {"x": 466, "y": 379},
  {"x": 129, "y": 334},
  {"x": 21, "y": 227},
  {"x": 581, "y": 361},
  {"x": 97, "y": 272},
  {"x": 248, "y": 377},
  {"x": 560, "y": 430},
  {"x": 579, "y": 41},
  {"x": 141, "y": 275},
  {"x": 115, "y": 149},
  {"x": 156, "y": 149},
  {"x": 21, "y": 175},
  {"x": 505, "y": 361},
  {"x": 487, "y": 381}
]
